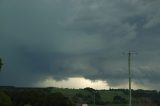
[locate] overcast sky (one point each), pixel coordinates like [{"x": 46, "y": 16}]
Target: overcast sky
[{"x": 49, "y": 42}]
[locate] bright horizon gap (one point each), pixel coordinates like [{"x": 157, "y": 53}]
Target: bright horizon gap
[
  {"x": 74, "y": 82},
  {"x": 81, "y": 82}
]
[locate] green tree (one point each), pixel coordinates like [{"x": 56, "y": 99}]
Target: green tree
[
  {"x": 58, "y": 99},
  {"x": 5, "y": 99},
  {"x": 1, "y": 63},
  {"x": 119, "y": 100}
]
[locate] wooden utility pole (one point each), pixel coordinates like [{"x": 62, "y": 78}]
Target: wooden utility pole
[{"x": 129, "y": 72}]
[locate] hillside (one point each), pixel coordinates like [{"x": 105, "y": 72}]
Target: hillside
[{"x": 114, "y": 97}]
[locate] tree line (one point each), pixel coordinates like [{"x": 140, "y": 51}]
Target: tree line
[
  {"x": 13, "y": 96},
  {"x": 33, "y": 98}
]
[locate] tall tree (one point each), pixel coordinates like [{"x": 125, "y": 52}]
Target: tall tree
[
  {"x": 1, "y": 63},
  {"x": 5, "y": 100}
]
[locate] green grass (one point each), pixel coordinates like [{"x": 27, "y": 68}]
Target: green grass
[
  {"x": 106, "y": 95},
  {"x": 109, "y": 95}
]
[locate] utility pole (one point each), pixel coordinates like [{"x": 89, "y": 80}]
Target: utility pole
[
  {"x": 129, "y": 72},
  {"x": 94, "y": 98}
]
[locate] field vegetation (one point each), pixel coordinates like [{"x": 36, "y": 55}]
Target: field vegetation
[{"x": 52, "y": 96}]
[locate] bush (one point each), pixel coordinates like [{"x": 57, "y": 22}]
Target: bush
[{"x": 5, "y": 99}]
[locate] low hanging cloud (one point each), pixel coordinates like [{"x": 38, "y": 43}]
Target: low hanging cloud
[{"x": 85, "y": 38}]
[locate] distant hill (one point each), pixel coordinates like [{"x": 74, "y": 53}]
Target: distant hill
[{"x": 114, "y": 97}]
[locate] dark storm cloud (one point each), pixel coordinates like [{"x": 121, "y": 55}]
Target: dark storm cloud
[{"x": 69, "y": 38}]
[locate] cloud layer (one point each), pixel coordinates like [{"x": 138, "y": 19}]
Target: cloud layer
[{"x": 84, "y": 38}]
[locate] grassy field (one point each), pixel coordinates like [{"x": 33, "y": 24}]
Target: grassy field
[
  {"x": 106, "y": 95},
  {"x": 109, "y": 95}
]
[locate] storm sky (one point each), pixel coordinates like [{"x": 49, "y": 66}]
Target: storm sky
[{"x": 49, "y": 42}]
